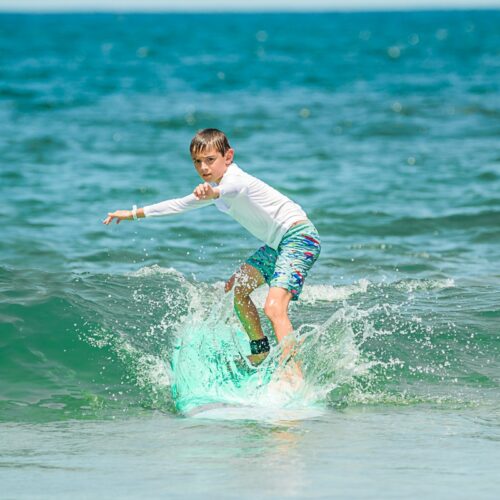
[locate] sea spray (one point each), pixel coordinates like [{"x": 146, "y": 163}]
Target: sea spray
[{"x": 208, "y": 348}]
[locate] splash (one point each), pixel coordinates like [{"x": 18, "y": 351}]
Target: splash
[
  {"x": 209, "y": 364},
  {"x": 362, "y": 343}
]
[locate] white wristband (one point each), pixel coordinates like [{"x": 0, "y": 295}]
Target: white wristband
[{"x": 134, "y": 212}]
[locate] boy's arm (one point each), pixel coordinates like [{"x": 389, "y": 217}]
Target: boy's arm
[
  {"x": 175, "y": 206},
  {"x": 168, "y": 207}
]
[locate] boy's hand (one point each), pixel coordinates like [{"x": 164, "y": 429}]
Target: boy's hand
[
  {"x": 119, "y": 215},
  {"x": 205, "y": 192}
]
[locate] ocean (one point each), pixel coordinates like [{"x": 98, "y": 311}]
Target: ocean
[{"x": 383, "y": 126}]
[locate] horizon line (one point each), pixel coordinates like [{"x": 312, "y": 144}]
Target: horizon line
[{"x": 243, "y": 10}]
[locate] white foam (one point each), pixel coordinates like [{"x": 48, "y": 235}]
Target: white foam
[
  {"x": 155, "y": 269},
  {"x": 150, "y": 371},
  {"x": 329, "y": 293},
  {"x": 417, "y": 285},
  {"x": 324, "y": 293}
]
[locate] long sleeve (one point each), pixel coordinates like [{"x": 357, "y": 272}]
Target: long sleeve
[
  {"x": 232, "y": 188},
  {"x": 175, "y": 206},
  {"x": 258, "y": 207}
]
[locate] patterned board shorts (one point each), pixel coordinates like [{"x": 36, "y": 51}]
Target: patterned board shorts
[{"x": 287, "y": 267}]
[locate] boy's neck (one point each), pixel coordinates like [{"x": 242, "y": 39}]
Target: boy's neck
[{"x": 217, "y": 182}]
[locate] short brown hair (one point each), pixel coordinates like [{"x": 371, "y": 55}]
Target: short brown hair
[{"x": 207, "y": 139}]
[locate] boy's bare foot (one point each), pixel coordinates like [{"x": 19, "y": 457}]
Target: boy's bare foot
[{"x": 257, "y": 359}]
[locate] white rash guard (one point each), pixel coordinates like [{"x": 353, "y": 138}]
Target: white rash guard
[{"x": 258, "y": 207}]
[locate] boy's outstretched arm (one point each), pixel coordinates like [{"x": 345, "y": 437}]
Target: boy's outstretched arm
[
  {"x": 201, "y": 197},
  {"x": 120, "y": 215}
]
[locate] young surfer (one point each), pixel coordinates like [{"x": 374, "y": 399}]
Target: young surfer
[{"x": 292, "y": 243}]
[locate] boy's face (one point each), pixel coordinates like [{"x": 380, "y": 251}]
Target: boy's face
[{"x": 211, "y": 165}]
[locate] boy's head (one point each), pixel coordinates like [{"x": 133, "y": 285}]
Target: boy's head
[
  {"x": 211, "y": 154},
  {"x": 209, "y": 138}
]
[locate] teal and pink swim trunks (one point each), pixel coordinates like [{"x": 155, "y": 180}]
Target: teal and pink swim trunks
[{"x": 287, "y": 267}]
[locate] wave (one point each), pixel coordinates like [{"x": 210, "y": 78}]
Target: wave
[{"x": 91, "y": 345}]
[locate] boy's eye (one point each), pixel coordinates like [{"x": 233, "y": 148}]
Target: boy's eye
[{"x": 208, "y": 159}]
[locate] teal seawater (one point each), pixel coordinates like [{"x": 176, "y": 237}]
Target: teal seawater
[{"x": 383, "y": 126}]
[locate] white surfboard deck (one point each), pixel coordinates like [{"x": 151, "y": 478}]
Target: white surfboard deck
[{"x": 225, "y": 411}]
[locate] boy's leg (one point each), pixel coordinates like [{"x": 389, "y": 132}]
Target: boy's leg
[
  {"x": 276, "y": 309},
  {"x": 244, "y": 282},
  {"x": 298, "y": 250}
]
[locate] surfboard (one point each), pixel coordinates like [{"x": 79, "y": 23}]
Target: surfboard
[{"x": 225, "y": 411}]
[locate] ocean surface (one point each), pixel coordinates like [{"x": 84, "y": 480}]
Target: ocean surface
[{"x": 385, "y": 127}]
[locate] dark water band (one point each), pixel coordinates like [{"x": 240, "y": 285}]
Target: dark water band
[{"x": 260, "y": 345}]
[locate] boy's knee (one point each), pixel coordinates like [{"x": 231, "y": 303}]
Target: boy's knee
[
  {"x": 240, "y": 287},
  {"x": 243, "y": 286},
  {"x": 274, "y": 310},
  {"x": 236, "y": 282}
]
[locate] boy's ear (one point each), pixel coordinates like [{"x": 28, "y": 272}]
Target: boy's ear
[{"x": 229, "y": 156}]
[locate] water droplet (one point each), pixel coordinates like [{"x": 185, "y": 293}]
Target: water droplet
[
  {"x": 414, "y": 39},
  {"x": 261, "y": 36},
  {"x": 305, "y": 113},
  {"x": 106, "y": 48},
  {"x": 442, "y": 34},
  {"x": 397, "y": 107},
  {"x": 394, "y": 52},
  {"x": 142, "y": 52}
]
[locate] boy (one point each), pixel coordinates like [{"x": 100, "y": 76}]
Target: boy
[{"x": 292, "y": 243}]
